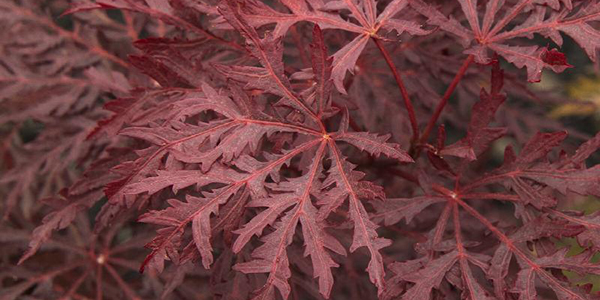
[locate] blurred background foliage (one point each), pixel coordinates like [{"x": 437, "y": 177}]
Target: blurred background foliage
[{"x": 580, "y": 87}]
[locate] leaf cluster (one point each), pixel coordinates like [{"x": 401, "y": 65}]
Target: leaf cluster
[{"x": 293, "y": 149}]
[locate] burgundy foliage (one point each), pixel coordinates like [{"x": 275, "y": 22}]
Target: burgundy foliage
[{"x": 293, "y": 149}]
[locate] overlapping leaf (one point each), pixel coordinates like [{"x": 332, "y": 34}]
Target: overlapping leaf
[
  {"x": 258, "y": 14},
  {"x": 492, "y": 32}
]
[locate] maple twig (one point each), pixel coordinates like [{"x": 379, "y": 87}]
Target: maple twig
[
  {"x": 444, "y": 101},
  {"x": 403, "y": 91}
]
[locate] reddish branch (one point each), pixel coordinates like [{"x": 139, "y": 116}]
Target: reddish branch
[
  {"x": 405, "y": 97},
  {"x": 445, "y": 98}
]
